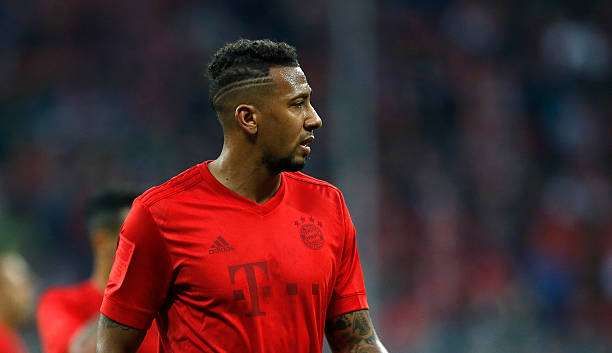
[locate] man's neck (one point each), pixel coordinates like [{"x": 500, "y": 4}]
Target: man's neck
[{"x": 245, "y": 175}]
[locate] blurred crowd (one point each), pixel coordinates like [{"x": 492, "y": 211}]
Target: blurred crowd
[
  {"x": 494, "y": 124},
  {"x": 496, "y": 127}
]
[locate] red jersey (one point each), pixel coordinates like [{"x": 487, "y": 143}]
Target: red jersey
[
  {"x": 63, "y": 311},
  {"x": 10, "y": 342},
  {"x": 225, "y": 274}
]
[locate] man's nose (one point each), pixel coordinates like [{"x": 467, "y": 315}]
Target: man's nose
[{"x": 313, "y": 122}]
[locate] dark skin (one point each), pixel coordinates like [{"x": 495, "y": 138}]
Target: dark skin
[
  {"x": 264, "y": 125},
  {"x": 348, "y": 333},
  {"x": 266, "y": 130},
  {"x": 115, "y": 337},
  {"x": 353, "y": 333}
]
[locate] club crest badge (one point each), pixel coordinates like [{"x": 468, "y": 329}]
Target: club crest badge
[{"x": 310, "y": 232}]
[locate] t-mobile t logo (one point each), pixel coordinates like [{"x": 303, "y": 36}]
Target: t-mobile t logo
[{"x": 251, "y": 278}]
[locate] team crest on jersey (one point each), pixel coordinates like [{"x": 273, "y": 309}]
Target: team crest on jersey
[{"x": 310, "y": 232}]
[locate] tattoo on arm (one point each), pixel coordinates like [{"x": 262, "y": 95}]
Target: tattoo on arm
[
  {"x": 106, "y": 322},
  {"x": 115, "y": 337},
  {"x": 353, "y": 333}
]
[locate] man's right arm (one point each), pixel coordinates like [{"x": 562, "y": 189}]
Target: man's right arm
[{"x": 114, "y": 337}]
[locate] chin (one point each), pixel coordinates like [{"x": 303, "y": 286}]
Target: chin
[
  {"x": 286, "y": 164},
  {"x": 295, "y": 166}
]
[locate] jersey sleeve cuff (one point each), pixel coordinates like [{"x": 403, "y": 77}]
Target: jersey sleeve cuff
[
  {"x": 348, "y": 304},
  {"x": 126, "y": 315}
]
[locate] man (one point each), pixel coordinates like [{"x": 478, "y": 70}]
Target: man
[
  {"x": 67, "y": 315},
  {"x": 15, "y": 300},
  {"x": 243, "y": 254}
]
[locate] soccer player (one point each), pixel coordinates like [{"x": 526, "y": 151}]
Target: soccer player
[
  {"x": 15, "y": 300},
  {"x": 243, "y": 254},
  {"x": 67, "y": 315}
]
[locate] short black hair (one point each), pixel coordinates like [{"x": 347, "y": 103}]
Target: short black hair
[
  {"x": 247, "y": 59},
  {"x": 104, "y": 210}
]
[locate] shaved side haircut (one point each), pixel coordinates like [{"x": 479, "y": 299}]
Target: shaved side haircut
[
  {"x": 238, "y": 85},
  {"x": 243, "y": 65}
]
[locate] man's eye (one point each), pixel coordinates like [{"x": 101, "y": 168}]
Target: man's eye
[{"x": 299, "y": 103}]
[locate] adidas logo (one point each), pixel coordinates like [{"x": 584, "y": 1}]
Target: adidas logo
[{"x": 220, "y": 245}]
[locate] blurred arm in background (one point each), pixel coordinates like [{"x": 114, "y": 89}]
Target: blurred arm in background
[
  {"x": 15, "y": 300},
  {"x": 84, "y": 340}
]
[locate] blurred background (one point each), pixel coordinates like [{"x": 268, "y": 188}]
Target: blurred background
[{"x": 472, "y": 140}]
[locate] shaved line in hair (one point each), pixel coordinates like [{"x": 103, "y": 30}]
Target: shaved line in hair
[{"x": 248, "y": 83}]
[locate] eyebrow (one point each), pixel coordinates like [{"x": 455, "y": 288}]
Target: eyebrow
[{"x": 302, "y": 94}]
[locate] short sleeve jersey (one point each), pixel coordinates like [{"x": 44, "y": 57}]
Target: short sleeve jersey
[
  {"x": 63, "y": 311},
  {"x": 10, "y": 342},
  {"x": 222, "y": 273}
]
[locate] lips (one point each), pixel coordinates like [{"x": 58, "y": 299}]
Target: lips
[
  {"x": 307, "y": 141},
  {"x": 304, "y": 144}
]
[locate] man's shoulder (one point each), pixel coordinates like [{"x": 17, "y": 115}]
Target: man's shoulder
[
  {"x": 10, "y": 341},
  {"x": 82, "y": 291},
  {"x": 176, "y": 185},
  {"x": 308, "y": 179},
  {"x": 305, "y": 182}
]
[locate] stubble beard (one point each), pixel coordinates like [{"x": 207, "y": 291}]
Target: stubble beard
[{"x": 277, "y": 165}]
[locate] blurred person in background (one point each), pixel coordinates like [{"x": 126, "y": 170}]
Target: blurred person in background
[
  {"x": 15, "y": 300},
  {"x": 243, "y": 253},
  {"x": 67, "y": 315}
]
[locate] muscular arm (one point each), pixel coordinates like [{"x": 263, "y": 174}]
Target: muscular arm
[
  {"x": 353, "y": 333},
  {"x": 114, "y": 337}
]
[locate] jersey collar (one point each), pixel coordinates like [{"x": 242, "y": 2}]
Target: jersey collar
[{"x": 228, "y": 194}]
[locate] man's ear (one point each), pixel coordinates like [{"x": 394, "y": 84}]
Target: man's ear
[{"x": 247, "y": 118}]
